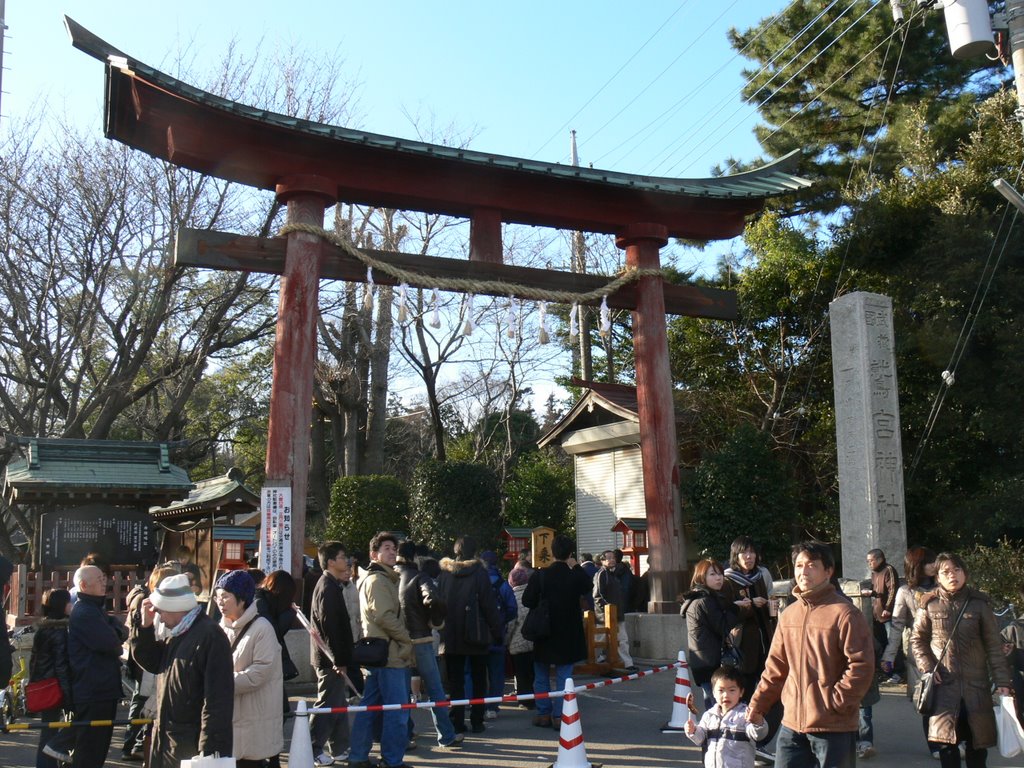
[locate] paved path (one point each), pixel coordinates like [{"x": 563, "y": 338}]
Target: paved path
[{"x": 621, "y": 730}]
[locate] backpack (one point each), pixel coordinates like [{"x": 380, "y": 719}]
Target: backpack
[{"x": 508, "y": 610}]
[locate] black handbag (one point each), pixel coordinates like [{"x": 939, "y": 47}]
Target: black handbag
[
  {"x": 537, "y": 624},
  {"x": 925, "y": 689},
  {"x": 370, "y": 652},
  {"x": 731, "y": 656}
]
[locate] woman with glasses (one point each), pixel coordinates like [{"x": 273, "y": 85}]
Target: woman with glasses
[{"x": 955, "y": 624}]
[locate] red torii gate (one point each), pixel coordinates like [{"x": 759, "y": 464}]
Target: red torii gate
[{"x": 311, "y": 166}]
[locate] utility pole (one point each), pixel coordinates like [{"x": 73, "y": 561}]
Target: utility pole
[
  {"x": 3, "y": 38},
  {"x": 1015, "y": 25},
  {"x": 579, "y": 265}
]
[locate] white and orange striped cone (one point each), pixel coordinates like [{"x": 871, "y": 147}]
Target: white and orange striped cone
[
  {"x": 682, "y": 700},
  {"x": 300, "y": 752},
  {"x": 572, "y": 753}
]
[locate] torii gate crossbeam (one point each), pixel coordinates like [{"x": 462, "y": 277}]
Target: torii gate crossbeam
[{"x": 311, "y": 166}]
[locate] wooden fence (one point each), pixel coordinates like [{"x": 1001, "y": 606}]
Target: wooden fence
[{"x": 27, "y": 588}]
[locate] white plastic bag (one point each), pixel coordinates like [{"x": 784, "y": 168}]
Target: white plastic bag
[
  {"x": 1011, "y": 735},
  {"x": 209, "y": 761}
]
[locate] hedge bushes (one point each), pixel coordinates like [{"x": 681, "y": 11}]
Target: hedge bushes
[
  {"x": 362, "y": 505},
  {"x": 451, "y": 499}
]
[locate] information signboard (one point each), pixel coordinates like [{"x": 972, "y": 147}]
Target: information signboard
[
  {"x": 121, "y": 536},
  {"x": 276, "y": 529}
]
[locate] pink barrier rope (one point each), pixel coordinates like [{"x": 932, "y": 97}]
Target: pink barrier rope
[{"x": 495, "y": 699}]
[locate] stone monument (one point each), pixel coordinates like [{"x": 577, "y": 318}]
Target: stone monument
[{"x": 870, "y": 457}]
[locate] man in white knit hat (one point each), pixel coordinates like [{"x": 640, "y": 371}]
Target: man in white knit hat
[{"x": 195, "y": 687}]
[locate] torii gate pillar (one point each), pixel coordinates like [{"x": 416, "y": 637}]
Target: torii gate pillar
[
  {"x": 291, "y": 395},
  {"x": 656, "y": 410}
]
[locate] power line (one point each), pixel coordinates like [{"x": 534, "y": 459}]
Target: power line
[
  {"x": 561, "y": 129},
  {"x": 678, "y": 105},
  {"x": 792, "y": 77}
]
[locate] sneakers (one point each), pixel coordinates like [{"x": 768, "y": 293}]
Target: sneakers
[
  {"x": 936, "y": 755},
  {"x": 632, "y": 669},
  {"x": 342, "y": 758},
  {"x": 865, "y": 750},
  {"x": 323, "y": 759},
  {"x": 894, "y": 680},
  {"x": 455, "y": 743},
  {"x": 764, "y": 755},
  {"x": 60, "y": 757},
  {"x": 491, "y": 714}
]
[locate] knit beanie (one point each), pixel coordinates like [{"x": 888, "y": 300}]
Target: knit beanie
[
  {"x": 490, "y": 558},
  {"x": 518, "y": 576},
  {"x": 239, "y": 584}
]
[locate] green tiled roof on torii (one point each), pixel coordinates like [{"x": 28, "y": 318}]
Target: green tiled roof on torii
[{"x": 167, "y": 118}]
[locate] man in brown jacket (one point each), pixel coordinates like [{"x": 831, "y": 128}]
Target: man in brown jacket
[{"x": 820, "y": 664}]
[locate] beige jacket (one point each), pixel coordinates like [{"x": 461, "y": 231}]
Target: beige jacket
[
  {"x": 821, "y": 663},
  {"x": 259, "y": 687},
  {"x": 381, "y": 613}
]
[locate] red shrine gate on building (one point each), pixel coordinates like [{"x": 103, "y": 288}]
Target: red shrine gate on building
[{"x": 311, "y": 166}]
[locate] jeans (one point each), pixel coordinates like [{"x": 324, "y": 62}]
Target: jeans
[
  {"x": 384, "y": 685},
  {"x": 135, "y": 735},
  {"x": 866, "y": 731},
  {"x": 709, "y": 696},
  {"x": 48, "y": 716},
  {"x": 331, "y": 691},
  {"x": 815, "y": 750},
  {"x": 542, "y": 684},
  {"x": 495, "y": 675},
  {"x": 430, "y": 682}
]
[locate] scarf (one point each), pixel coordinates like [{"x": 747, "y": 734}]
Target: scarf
[
  {"x": 163, "y": 632},
  {"x": 743, "y": 579}
]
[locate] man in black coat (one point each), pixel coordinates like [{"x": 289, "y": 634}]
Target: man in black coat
[
  {"x": 564, "y": 584},
  {"x": 94, "y": 651},
  {"x": 329, "y": 617},
  {"x": 472, "y": 623},
  {"x": 6, "y": 663},
  {"x": 195, "y": 685}
]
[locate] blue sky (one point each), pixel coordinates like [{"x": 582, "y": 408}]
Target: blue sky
[{"x": 651, "y": 88}]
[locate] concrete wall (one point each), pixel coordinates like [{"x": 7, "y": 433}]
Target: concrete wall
[
  {"x": 656, "y": 636},
  {"x": 298, "y": 643}
]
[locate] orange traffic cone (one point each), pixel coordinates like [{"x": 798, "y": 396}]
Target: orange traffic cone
[
  {"x": 571, "y": 751},
  {"x": 682, "y": 700}
]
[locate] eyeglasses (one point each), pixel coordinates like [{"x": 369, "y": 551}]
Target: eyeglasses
[{"x": 950, "y": 571}]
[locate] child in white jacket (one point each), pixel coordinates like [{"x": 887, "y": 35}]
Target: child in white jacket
[{"x": 729, "y": 740}]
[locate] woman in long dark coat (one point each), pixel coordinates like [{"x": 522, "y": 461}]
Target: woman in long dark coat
[
  {"x": 565, "y": 585},
  {"x": 973, "y": 661}
]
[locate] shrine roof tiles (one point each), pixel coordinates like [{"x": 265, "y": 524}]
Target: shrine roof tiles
[
  {"x": 161, "y": 115},
  {"x": 212, "y": 494},
  {"x": 52, "y": 467}
]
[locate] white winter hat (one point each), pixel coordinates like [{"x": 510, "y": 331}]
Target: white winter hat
[{"x": 174, "y": 594}]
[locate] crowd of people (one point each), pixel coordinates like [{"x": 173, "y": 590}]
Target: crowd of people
[
  {"x": 808, "y": 676},
  {"x": 802, "y": 677}
]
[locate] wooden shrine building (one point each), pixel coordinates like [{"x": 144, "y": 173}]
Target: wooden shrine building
[
  {"x": 218, "y": 522},
  {"x": 311, "y": 166}
]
